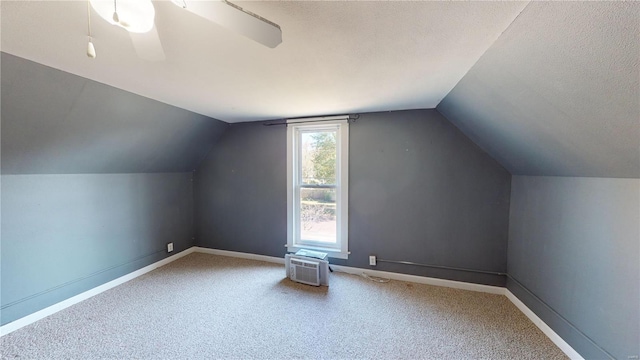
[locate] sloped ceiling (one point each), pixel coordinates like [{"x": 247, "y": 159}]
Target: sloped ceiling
[
  {"x": 54, "y": 122},
  {"x": 551, "y": 88},
  {"x": 336, "y": 56},
  {"x": 559, "y": 92}
]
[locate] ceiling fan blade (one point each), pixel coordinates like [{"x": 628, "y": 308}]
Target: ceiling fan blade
[
  {"x": 148, "y": 45},
  {"x": 235, "y": 18}
]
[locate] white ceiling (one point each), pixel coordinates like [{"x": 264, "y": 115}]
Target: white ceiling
[{"x": 336, "y": 57}]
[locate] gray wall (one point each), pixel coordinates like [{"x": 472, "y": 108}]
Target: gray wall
[
  {"x": 55, "y": 122},
  {"x": 65, "y": 234},
  {"x": 240, "y": 191},
  {"x": 126, "y": 190},
  {"x": 419, "y": 191},
  {"x": 575, "y": 243}
]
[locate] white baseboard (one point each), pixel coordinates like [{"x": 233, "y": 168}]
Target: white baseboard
[
  {"x": 359, "y": 271},
  {"x": 422, "y": 280},
  {"x": 552, "y": 335},
  {"x": 271, "y": 259},
  {"x": 41, "y": 314}
]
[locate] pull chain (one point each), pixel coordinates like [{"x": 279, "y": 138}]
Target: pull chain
[
  {"x": 91, "y": 50},
  {"x": 116, "y": 18}
]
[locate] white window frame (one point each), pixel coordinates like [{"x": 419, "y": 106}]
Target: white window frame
[{"x": 294, "y": 128}]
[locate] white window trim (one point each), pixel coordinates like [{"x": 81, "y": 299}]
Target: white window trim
[{"x": 342, "y": 180}]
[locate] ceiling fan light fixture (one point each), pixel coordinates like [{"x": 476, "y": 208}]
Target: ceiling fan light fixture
[{"x": 133, "y": 15}]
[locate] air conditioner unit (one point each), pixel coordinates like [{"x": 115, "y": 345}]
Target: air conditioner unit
[{"x": 307, "y": 270}]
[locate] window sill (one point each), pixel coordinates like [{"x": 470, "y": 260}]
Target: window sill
[{"x": 332, "y": 253}]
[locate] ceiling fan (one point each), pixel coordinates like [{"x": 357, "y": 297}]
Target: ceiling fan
[{"x": 137, "y": 17}]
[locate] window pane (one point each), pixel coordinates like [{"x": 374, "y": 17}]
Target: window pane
[
  {"x": 318, "y": 215},
  {"x": 318, "y": 161}
]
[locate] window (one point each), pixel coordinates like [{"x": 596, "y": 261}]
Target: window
[{"x": 317, "y": 185}]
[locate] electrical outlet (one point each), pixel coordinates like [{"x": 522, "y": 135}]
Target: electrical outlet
[
  {"x": 372, "y": 260},
  {"x": 169, "y": 247}
]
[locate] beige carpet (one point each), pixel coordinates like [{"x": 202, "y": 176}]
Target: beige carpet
[{"x": 205, "y": 306}]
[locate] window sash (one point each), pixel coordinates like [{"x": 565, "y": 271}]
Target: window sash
[
  {"x": 323, "y": 186},
  {"x": 300, "y": 184},
  {"x": 296, "y": 184}
]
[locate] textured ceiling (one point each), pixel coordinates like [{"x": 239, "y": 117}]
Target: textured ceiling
[
  {"x": 336, "y": 57},
  {"x": 559, "y": 92}
]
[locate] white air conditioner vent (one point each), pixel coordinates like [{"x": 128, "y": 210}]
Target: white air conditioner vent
[{"x": 306, "y": 272}]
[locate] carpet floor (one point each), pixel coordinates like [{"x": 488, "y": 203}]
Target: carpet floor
[{"x": 205, "y": 307}]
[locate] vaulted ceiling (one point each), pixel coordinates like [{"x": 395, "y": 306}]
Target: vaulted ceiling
[
  {"x": 54, "y": 122},
  {"x": 335, "y": 57},
  {"x": 546, "y": 88},
  {"x": 559, "y": 92}
]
